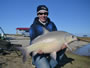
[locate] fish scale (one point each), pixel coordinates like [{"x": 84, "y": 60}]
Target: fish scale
[{"x": 50, "y": 42}]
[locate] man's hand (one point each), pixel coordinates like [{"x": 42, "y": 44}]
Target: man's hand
[{"x": 40, "y": 52}]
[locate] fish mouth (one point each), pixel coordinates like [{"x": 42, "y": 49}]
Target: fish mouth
[{"x": 72, "y": 41}]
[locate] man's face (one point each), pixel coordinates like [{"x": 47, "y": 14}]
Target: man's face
[{"x": 43, "y": 16}]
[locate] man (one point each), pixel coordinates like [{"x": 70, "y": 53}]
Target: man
[{"x": 42, "y": 21}]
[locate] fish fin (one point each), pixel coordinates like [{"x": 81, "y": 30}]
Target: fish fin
[
  {"x": 34, "y": 53},
  {"x": 53, "y": 55},
  {"x": 68, "y": 47},
  {"x": 45, "y": 31}
]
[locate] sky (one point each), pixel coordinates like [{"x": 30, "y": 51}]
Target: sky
[{"x": 72, "y": 16}]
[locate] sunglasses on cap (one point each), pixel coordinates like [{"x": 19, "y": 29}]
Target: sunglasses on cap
[{"x": 46, "y": 13}]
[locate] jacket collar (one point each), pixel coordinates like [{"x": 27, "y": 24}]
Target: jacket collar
[{"x": 36, "y": 20}]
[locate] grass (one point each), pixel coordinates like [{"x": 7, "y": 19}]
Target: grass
[
  {"x": 79, "y": 61},
  {"x": 87, "y": 39},
  {"x": 14, "y": 61}
]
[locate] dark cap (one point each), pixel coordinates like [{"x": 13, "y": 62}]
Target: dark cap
[{"x": 42, "y": 7}]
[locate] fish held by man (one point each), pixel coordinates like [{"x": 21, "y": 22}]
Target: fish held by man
[{"x": 48, "y": 43}]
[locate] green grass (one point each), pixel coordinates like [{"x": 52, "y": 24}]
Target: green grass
[
  {"x": 87, "y": 39},
  {"x": 14, "y": 61},
  {"x": 79, "y": 61}
]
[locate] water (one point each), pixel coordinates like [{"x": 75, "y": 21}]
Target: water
[{"x": 83, "y": 51}]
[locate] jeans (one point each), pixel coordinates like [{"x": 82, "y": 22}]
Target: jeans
[{"x": 41, "y": 60}]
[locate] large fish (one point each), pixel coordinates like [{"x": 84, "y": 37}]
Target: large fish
[{"x": 50, "y": 42}]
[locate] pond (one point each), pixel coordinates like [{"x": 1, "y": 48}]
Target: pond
[{"x": 83, "y": 51}]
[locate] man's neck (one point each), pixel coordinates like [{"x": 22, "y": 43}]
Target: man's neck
[{"x": 42, "y": 22}]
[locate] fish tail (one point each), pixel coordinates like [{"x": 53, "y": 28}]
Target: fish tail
[{"x": 24, "y": 53}]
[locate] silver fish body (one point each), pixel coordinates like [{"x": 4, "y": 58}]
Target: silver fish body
[{"x": 50, "y": 42}]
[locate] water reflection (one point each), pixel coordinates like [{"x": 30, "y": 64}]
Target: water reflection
[{"x": 83, "y": 51}]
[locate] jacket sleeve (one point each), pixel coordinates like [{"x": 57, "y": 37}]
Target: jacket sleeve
[
  {"x": 54, "y": 27},
  {"x": 32, "y": 33}
]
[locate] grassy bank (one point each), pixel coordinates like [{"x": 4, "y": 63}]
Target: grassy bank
[
  {"x": 14, "y": 61},
  {"x": 87, "y": 39},
  {"x": 79, "y": 61}
]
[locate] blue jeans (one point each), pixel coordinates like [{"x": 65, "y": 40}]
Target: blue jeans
[{"x": 41, "y": 60}]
